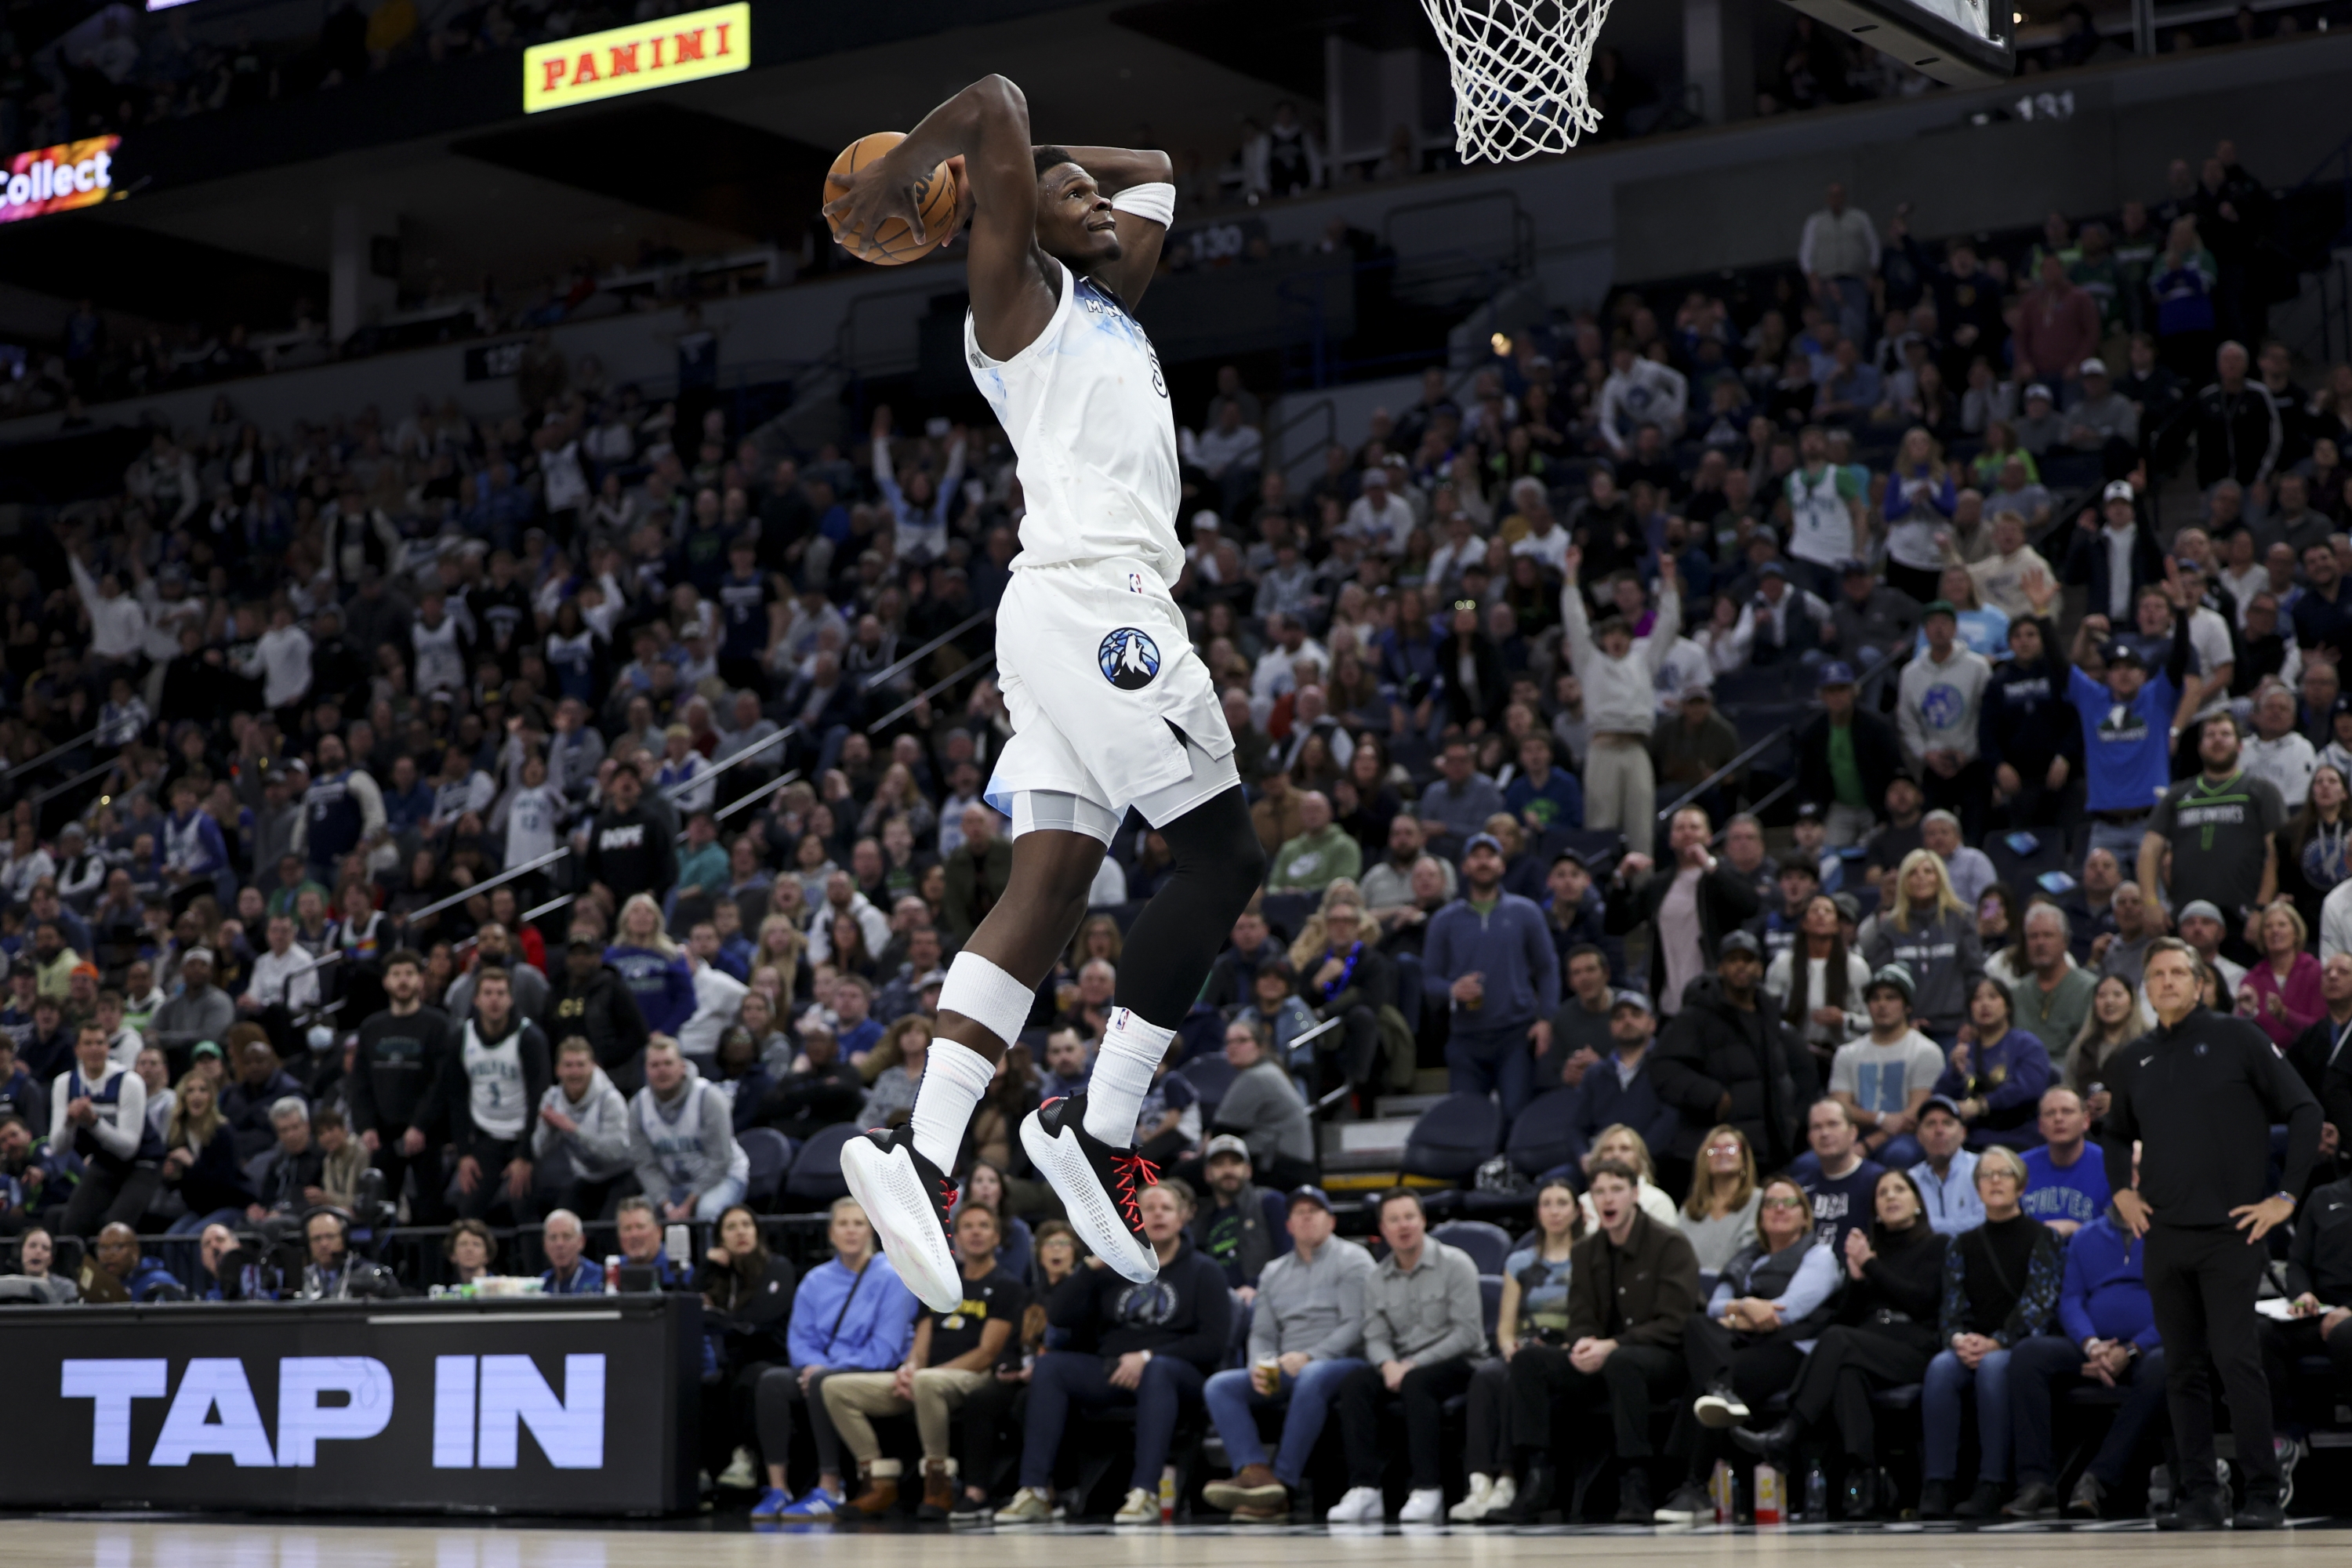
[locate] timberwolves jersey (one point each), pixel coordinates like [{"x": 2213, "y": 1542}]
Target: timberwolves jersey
[{"x": 1086, "y": 410}]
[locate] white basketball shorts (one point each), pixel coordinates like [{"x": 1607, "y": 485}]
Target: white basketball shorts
[{"x": 1110, "y": 705}]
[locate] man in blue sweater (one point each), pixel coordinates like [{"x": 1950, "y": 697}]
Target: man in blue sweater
[
  {"x": 2109, "y": 1327},
  {"x": 1493, "y": 955},
  {"x": 2065, "y": 1179}
]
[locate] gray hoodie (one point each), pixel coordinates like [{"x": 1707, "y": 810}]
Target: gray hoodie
[
  {"x": 684, "y": 1144},
  {"x": 1317, "y": 1307},
  {"x": 601, "y": 1148}
]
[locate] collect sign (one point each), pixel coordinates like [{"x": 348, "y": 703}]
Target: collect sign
[
  {"x": 58, "y": 179},
  {"x": 637, "y": 57},
  {"x": 535, "y": 1407}
]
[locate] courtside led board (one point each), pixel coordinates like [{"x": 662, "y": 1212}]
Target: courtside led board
[
  {"x": 58, "y": 179},
  {"x": 637, "y": 57}
]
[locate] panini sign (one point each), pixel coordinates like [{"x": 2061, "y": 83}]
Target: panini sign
[{"x": 637, "y": 57}]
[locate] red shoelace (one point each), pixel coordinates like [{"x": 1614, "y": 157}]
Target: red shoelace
[{"x": 1134, "y": 1173}]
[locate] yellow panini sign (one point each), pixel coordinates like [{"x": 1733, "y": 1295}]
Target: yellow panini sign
[{"x": 636, "y": 58}]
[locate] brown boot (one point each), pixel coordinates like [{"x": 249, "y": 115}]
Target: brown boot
[
  {"x": 1254, "y": 1488},
  {"x": 939, "y": 1491},
  {"x": 877, "y": 1491}
]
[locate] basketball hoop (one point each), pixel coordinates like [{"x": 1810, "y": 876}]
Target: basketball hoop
[{"x": 1518, "y": 73}]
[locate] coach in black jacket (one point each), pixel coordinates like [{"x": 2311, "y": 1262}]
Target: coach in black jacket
[{"x": 1727, "y": 1059}]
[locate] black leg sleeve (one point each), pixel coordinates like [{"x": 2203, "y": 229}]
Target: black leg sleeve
[{"x": 1219, "y": 864}]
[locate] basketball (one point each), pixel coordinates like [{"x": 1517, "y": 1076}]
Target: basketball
[{"x": 937, "y": 196}]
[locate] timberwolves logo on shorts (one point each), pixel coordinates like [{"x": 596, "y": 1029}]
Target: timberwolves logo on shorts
[{"x": 1129, "y": 658}]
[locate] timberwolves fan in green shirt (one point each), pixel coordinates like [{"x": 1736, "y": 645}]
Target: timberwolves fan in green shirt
[{"x": 2219, "y": 825}]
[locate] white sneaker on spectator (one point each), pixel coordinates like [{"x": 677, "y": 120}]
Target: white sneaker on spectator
[
  {"x": 1362, "y": 1505},
  {"x": 1425, "y": 1506},
  {"x": 1469, "y": 1509},
  {"x": 2290, "y": 1451},
  {"x": 1030, "y": 1505},
  {"x": 740, "y": 1474},
  {"x": 1506, "y": 1493},
  {"x": 1140, "y": 1507},
  {"x": 1719, "y": 1406}
]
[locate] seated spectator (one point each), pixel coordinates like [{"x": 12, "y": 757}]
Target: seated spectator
[
  {"x": 1883, "y": 1336},
  {"x": 250, "y": 1104},
  {"x": 1744, "y": 1346},
  {"x": 1947, "y": 1178},
  {"x": 1321, "y": 853},
  {"x": 1729, "y": 1059},
  {"x": 567, "y": 1272},
  {"x": 1834, "y": 1172},
  {"x": 225, "y": 1271},
  {"x": 1996, "y": 1073},
  {"x": 1240, "y": 1228},
  {"x": 1718, "y": 1216},
  {"x": 1970, "y": 871},
  {"x": 682, "y": 1139},
  {"x": 1533, "y": 1310},
  {"x": 469, "y": 1249},
  {"x": 1423, "y": 1323},
  {"x": 200, "y": 1167},
  {"x": 1883, "y": 1078},
  {"x": 2053, "y": 993},
  {"x": 1352, "y": 981},
  {"x": 139, "y": 1276},
  {"x": 579, "y": 1139},
  {"x": 2001, "y": 1288},
  {"x": 1305, "y": 1340},
  {"x": 2281, "y": 992},
  {"x": 334, "y": 1272},
  {"x": 747, "y": 1293},
  {"x": 951, "y": 1355},
  {"x": 1632, "y": 1287},
  {"x": 36, "y": 1259},
  {"x": 1623, "y": 1145},
  {"x": 638, "y": 1230},
  {"x": 819, "y": 1090},
  {"x": 841, "y": 1321},
  {"x": 290, "y": 1179},
  {"x": 2117, "y": 1017},
  {"x": 1928, "y": 930},
  {"x": 2065, "y": 1179},
  {"x": 1261, "y": 1107},
  {"x": 1619, "y": 1090},
  {"x": 1152, "y": 1349},
  {"x": 2106, "y": 1334}
]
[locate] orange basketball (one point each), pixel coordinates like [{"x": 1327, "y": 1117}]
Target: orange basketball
[{"x": 937, "y": 196}]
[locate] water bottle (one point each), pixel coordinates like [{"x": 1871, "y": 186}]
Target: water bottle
[
  {"x": 1817, "y": 1496},
  {"x": 1168, "y": 1494}
]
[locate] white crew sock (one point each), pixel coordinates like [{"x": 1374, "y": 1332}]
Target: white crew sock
[
  {"x": 1124, "y": 1065},
  {"x": 954, "y": 1077}
]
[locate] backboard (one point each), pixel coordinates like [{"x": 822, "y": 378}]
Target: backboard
[{"x": 1963, "y": 43}]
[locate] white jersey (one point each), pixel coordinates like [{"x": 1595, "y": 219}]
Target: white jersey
[
  {"x": 1086, "y": 410},
  {"x": 494, "y": 1083},
  {"x": 440, "y": 658}
]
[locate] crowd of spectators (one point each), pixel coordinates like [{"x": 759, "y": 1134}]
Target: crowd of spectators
[{"x": 563, "y": 819}]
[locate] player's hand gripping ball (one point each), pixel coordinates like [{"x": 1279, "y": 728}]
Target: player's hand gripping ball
[{"x": 890, "y": 223}]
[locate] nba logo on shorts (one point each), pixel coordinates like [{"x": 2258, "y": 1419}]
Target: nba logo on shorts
[{"x": 1129, "y": 658}]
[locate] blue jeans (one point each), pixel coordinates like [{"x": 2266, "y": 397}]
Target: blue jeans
[
  {"x": 1947, "y": 1383},
  {"x": 1499, "y": 1062},
  {"x": 1231, "y": 1399},
  {"x": 1064, "y": 1378},
  {"x": 2123, "y": 838},
  {"x": 714, "y": 1203}
]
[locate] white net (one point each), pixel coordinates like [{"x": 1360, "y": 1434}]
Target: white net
[{"x": 1518, "y": 73}]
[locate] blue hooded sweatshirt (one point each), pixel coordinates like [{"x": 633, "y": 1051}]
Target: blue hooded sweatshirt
[{"x": 863, "y": 1321}]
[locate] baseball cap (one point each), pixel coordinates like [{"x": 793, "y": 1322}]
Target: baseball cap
[
  {"x": 1306, "y": 1193},
  {"x": 2121, "y": 652},
  {"x": 205, "y": 1049},
  {"x": 2040, "y": 391},
  {"x": 1740, "y": 941},
  {"x": 1836, "y": 672},
  {"x": 1945, "y": 1103},
  {"x": 197, "y": 956},
  {"x": 1849, "y": 908},
  {"x": 582, "y": 939},
  {"x": 1940, "y": 607},
  {"x": 2117, "y": 490},
  {"x": 2199, "y": 909},
  {"x": 1895, "y": 974},
  {"x": 1630, "y": 998},
  {"x": 1482, "y": 841},
  {"x": 2342, "y": 705},
  {"x": 1853, "y": 566},
  {"x": 1772, "y": 569},
  {"x": 1810, "y": 811},
  {"x": 930, "y": 977},
  {"x": 1207, "y": 519},
  {"x": 1576, "y": 855},
  {"x": 1226, "y": 1143},
  {"x": 2093, "y": 367}
]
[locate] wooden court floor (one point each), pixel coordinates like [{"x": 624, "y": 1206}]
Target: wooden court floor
[{"x": 183, "y": 1542}]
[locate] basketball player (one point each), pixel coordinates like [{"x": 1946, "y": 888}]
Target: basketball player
[{"x": 1110, "y": 706}]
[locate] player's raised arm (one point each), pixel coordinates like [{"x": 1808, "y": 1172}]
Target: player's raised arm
[
  {"x": 987, "y": 125},
  {"x": 1118, "y": 169}
]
